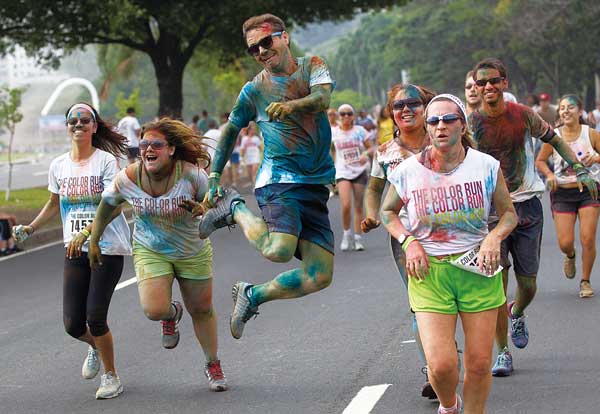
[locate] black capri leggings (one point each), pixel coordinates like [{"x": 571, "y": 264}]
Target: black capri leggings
[{"x": 87, "y": 293}]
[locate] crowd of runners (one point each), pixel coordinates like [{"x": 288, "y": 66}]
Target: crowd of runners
[{"x": 463, "y": 195}]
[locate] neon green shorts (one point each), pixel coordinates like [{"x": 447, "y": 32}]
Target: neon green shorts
[
  {"x": 449, "y": 290},
  {"x": 149, "y": 264}
]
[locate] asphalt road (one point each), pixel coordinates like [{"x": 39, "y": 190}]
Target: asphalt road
[{"x": 310, "y": 355}]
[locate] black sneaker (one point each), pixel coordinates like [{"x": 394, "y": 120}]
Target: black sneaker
[
  {"x": 427, "y": 390},
  {"x": 220, "y": 215}
]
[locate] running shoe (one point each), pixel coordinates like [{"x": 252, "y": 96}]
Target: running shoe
[
  {"x": 220, "y": 215},
  {"x": 585, "y": 289},
  {"x": 518, "y": 328},
  {"x": 569, "y": 267},
  {"x": 216, "y": 379},
  {"x": 457, "y": 409},
  {"x": 110, "y": 386},
  {"x": 346, "y": 242},
  {"x": 503, "y": 366},
  {"x": 358, "y": 245},
  {"x": 242, "y": 309},
  {"x": 427, "y": 390},
  {"x": 91, "y": 364},
  {"x": 170, "y": 328}
]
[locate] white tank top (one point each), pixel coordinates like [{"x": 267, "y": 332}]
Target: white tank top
[
  {"x": 581, "y": 146},
  {"x": 447, "y": 212},
  {"x": 160, "y": 224}
]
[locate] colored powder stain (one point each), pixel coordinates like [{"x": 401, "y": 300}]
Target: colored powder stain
[
  {"x": 504, "y": 138},
  {"x": 290, "y": 280}
]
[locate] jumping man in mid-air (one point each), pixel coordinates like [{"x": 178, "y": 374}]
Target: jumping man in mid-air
[{"x": 288, "y": 101}]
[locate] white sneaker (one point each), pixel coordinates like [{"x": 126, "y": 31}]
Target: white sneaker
[
  {"x": 358, "y": 245},
  {"x": 110, "y": 386},
  {"x": 346, "y": 243},
  {"x": 91, "y": 364}
]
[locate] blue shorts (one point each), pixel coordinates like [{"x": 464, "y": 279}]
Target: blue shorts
[
  {"x": 235, "y": 158},
  {"x": 297, "y": 209}
]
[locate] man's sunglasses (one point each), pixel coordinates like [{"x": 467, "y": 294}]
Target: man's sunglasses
[
  {"x": 156, "y": 144},
  {"x": 266, "y": 43},
  {"x": 493, "y": 81},
  {"x": 346, "y": 113},
  {"x": 433, "y": 120},
  {"x": 412, "y": 103},
  {"x": 74, "y": 121}
]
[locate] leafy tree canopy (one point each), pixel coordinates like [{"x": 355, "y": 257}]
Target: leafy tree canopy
[{"x": 168, "y": 31}]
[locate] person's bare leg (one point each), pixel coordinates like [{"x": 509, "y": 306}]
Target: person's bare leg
[
  {"x": 105, "y": 346},
  {"x": 197, "y": 296},
  {"x": 479, "y": 344},
  {"x": 155, "y": 297},
  {"x": 437, "y": 336},
  {"x": 502, "y": 318},
  {"x": 588, "y": 224}
]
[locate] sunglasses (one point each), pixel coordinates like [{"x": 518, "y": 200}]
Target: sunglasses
[
  {"x": 346, "y": 113},
  {"x": 493, "y": 81},
  {"x": 433, "y": 120},
  {"x": 156, "y": 144},
  {"x": 412, "y": 103},
  {"x": 265, "y": 43},
  {"x": 74, "y": 121}
]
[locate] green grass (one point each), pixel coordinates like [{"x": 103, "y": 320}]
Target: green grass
[
  {"x": 16, "y": 156},
  {"x": 28, "y": 199}
]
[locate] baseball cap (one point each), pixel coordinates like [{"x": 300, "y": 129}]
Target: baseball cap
[{"x": 545, "y": 97}]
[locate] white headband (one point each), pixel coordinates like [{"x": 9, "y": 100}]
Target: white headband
[
  {"x": 454, "y": 99},
  {"x": 82, "y": 106}
]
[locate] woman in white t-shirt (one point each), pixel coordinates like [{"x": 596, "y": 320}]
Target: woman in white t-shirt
[
  {"x": 251, "y": 151},
  {"x": 567, "y": 200},
  {"x": 166, "y": 246},
  {"x": 351, "y": 150},
  {"x": 448, "y": 190},
  {"x": 76, "y": 181},
  {"x": 406, "y": 104}
]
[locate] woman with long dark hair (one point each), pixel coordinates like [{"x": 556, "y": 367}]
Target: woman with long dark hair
[
  {"x": 76, "y": 181},
  {"x": 569, "y": 202}
]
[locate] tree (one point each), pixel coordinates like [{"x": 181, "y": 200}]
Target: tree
[
  {"x": 132, "y": 101},
  {"x": 168, "y": 31},
  {"x": 349, "y": 96},
  {"x": 10, "y": 101}
]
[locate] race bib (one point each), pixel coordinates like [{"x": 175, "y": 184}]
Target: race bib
[
  {"x": 351, "y": 155},
  {"x": 468, "y": 262},
  {"x": 79, "y": 220}
]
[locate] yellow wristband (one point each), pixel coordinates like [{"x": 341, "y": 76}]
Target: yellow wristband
[
  {"x": 214, "y": 175},
  {"x": 85, "y": 232},
  {"x": 408, "y": 241}
]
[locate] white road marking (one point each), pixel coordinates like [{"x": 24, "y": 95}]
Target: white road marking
[
  {"x": 126, "y": 283},
  {"x": 37, "y": 174},
  {"x": 366, "y": 399},
  {"x": 35, "y": 249},
  {"x": 410, "y": 341}
]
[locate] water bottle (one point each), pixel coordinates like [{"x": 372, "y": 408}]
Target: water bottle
[{"x": 594, "y": 169}]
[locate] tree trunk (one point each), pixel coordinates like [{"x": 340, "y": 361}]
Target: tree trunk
[
  {"x": 170, "y": 94},
  {"x": 10, "y": 165},
  {"x": 169, "y": 65}
]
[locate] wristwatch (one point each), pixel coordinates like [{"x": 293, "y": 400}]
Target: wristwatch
[{"x": 402, "y": 238}]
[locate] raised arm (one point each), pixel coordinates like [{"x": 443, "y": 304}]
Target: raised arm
[{"x": 316, "y": 101}]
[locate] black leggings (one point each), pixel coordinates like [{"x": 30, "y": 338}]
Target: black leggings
[{"x": 87, "y": 293}]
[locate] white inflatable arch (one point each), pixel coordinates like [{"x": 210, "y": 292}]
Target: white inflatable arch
[{"x": 72, "y": 81}]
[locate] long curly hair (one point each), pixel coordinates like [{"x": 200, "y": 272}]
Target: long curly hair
[
  {"x": 188, "y": 144},
  {"x": 106, "y": 138}
]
